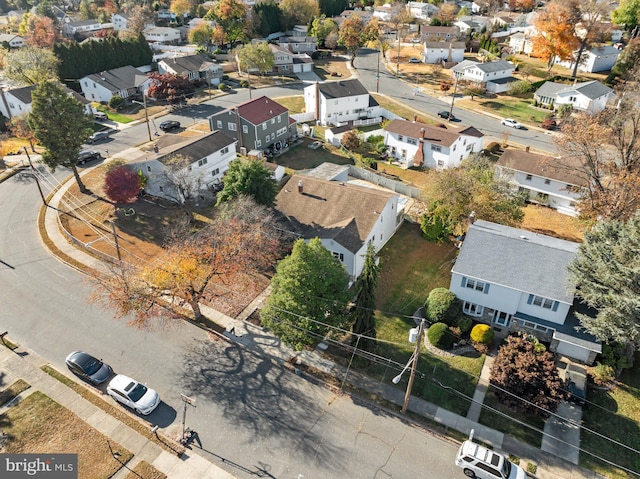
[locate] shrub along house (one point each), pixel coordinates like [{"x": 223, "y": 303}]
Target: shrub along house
[{"x": 516, "y": 280}]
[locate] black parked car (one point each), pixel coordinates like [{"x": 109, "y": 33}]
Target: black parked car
[
  {"x": 446, "y": 115},
  {"x": 169, "y": 125},
  {"x": 88, "y": 367},
  {"x": 88, "y": 155}
]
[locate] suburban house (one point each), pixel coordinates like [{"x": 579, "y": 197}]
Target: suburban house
[
  {"x": 383, "y": 12},
  {"x": 516, "y": 280},
  {"x": 521, "y": 42},
  {"x": 494, "y": 76},
  {"x": 208, "y": 158},
  {"x": 282, "y": 59},
  {"x": 472, "y": 23},
  {"x": 299, "y": 44},
  {"x": 119, "y": 21},
  {"x": 17, "y": 102},
  {"x": 162, "y": 35},
  {"x": 166, "y": 15},
  {"x": 591, "y": 96},
  {"x": 596, "y": 59},
  {"x": 194, "y": 67},
  {"x": 83, "y": 27},
  {"x": 11, "y": 39},
  {"x": 345, "y": 217},
  {"x": 364, "y": 15},
  {"x": 423, "y": 11},
  {"x": 437, "y": 52},
  {"x": 418, "y": 144},
  {"x": 552, "y": 182},
  {"x": 256, "y": 124},
  {"x": 436, "y": 33},
  {"x": 338, "y": 102},
  {"x": 124, "y": 82}
]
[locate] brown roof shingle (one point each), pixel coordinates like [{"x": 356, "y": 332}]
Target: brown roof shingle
[
  {"x": 260, "y": 110},
  {"x": 544, "y": 166},
  {"x": 432, "y": 134},
  {"x": 329, "y": 209}
]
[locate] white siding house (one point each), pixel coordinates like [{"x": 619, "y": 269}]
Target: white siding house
[
  {"x": 194, "y": 67},
  {"x": 418, "y": 144},
  {"x": 124, "y": 82},
  {"x": 494, "y": 76},
  {"x": 162, "y": 35},
  {"x": 209, "y": 158},
  {"x": 552, "y": 182},
  {"x": 597, "y": 59},
  {"x": 17, "y": 102},
  {"x": 345, "y": 217},
  {"x": 437, "y": 52},
  {"x": 14, "y": 41},
  {"x": 516, "y": 280},
  {"x": 339, "y": 102}
]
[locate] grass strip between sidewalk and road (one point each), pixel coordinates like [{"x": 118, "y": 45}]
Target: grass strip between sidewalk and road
[
  {"x": 141, "y": 428},
  {"x": 12, "y": 391}
]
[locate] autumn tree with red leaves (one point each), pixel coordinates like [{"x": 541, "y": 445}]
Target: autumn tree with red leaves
[
  {"x": 169, "y": 86},
  {"x": 121, "y": 185},
  {"x": 527, "y": 380},
  {"x": 239, "y": 242},
  {"x": 41, "y": 32}
]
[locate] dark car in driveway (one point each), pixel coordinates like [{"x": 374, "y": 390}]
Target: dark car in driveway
[
  {"x": 169, "y": 125},
  {"x": 576, "y": 378},
  {"x": 87, "y": 367}
]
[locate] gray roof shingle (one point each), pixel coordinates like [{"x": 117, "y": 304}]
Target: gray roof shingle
[
  {"x": 119, "y": 78},
  {"x": 342, "y": 89},
  {"x": 517, "y": 259}
]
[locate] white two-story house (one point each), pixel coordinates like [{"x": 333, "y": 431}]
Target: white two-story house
[
  {"x": 166, "y": 35},
  {"x": 422, "y": 10},
  {"x": 336, "y": 103},
  {"x": 124, "y": 82},
  {"x": 553, "y": 182},
  {"x": 438, "y": 52},
  {"x": 494, "y": 76},
  {"x": 418, "y": 144},
  {"x": 516, "y": 280},
  {"x": 208, "y": 157},
  {"x": 596, "y": 59},
  {"x": 345, "y": 217},
  {"x": 11, "y": 39},
  {"x": 17, "y": 102}
]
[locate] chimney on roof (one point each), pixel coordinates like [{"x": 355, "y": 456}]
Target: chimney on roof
[
  {"x": 300, "y": 187},
  {"x": 422, "y": 132}
]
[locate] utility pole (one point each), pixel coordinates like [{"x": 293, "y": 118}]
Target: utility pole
[
  {"x": 44, "y": 202},
  {"x": 414, "y": 365},
  {"x": 146, "y": 114},
  {"x": 378, "y": 72},
  {"x": 453, "y": 98}
]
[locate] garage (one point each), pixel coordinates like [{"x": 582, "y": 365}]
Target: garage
[{"x": 575, "y": 348}]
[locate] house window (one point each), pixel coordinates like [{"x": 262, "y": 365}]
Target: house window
[
  {"x": 273, "y": 136},
  {"x": 472, "y": 309},
  {"x": 216, "y": 172},
  {"x": 412, "y": 141},
  {"x": 202, "y": 162},
  {"x": 279, "y": 119},
  {"x": 477, "y": 285},
  {"x": 436, "y": 148},
  {"x": 454, "y": 147},
  {"x": 338, "y": 256},
  {"x": 469, "y": 147},
  {"x": 545, "y": 303},
  {"x": 440, "y": 162},
  {"x": 258, "y": 143},
  {"x": 224, "y": 151},
  {"x": 231, "y": 126},
  {"x": 219, "y": 124},
  {"x": 528, "y": 177},
  {"x": 572, "y": 98},
  {"x": 400, "y": 138},
  {"x": 266, "y": 139},
  {"x": 245, "y": 129},
  {"x": 501, "y": 318},
  {"x": 273, "y": 121},
  {"x": 264, "y": 126},
  {"x": 148, "y": 169},
  {"x": 281, "y": 131},
  {"x": 161, "y": 188}
]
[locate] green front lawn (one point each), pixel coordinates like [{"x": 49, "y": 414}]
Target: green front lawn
[
  {"x": 616, "y": 415},
  {"x": 512, "y": 107}
]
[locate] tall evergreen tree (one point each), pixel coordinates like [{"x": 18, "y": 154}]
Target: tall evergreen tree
[
  {"x": 60, "y": 125},
  {"x": 605, "y": 272},
  {"x": 251, "y": 178},
  {"x": 364, "y": 321}
]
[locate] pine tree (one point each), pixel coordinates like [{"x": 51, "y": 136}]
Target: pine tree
[{"x": 364, "y": 320}]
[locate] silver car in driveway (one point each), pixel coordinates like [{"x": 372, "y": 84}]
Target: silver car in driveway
[{"x": 133, "y": 394}]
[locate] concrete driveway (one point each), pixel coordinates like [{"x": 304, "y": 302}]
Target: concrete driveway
[{"x": 562, "y": 432}]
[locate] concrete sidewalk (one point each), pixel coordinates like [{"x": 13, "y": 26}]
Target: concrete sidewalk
[{"x": 26, "y": 365}]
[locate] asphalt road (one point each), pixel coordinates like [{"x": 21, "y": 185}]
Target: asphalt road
[
  {"x": 367, "y": 65},
  {"x": 253, "y": 417}
]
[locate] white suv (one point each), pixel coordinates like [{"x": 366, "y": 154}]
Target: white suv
[{"x": 478, "y": 461}]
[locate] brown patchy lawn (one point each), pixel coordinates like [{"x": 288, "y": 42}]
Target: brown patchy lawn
[
  {"x": 547, "y": 221},
  {"x": 146, "y": 470},
  {"x": 324, "y": 67},
  {"x": 40, "y": 424}
]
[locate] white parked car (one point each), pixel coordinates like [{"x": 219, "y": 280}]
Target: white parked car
[
  {"x": 133, "y": 394},
  {"x": 478, "y": 461},
  {"x": 512, "y": 123}
]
